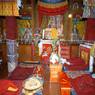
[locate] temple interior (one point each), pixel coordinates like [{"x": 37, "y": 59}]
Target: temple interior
[{"x": 47, "y": 47}]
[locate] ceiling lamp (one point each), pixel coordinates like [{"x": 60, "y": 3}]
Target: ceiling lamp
[{"x": 70, "y": 16}]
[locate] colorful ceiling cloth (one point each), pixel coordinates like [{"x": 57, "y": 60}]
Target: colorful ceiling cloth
[
  {"x": 52, "y": 1},
  {"x": 52, "y": 9},
  {"x": 8, "y": 8}
]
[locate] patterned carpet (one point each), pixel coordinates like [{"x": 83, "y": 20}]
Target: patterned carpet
[
  {"x": 29, "y": 64},
  {"x": 75, "y": 74},
  {"x": 21, "y": 73},
  {"x": 24, "y": 70}
]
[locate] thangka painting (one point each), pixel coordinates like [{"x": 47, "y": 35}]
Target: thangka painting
[
  {"x": 78, "y": 31},
  {"x": 85, "y": 54},
  {"x": 54, "y": 27},
  {"x": 25, "y": 30}
]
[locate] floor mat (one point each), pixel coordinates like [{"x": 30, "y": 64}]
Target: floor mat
[
  {"x": 75, "y": 74},
  {"x": 29, "y": 64},
  {"x": 21, "y": 73}
]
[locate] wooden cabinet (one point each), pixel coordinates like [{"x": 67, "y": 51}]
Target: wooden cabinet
[
  {"x": 3, "y": 58},
  {"x": 69, "y": 50},
  {"x": 74, "y": 50},
  {"x": 65, "y": 51},
  {"x": 27, "y": 53}
]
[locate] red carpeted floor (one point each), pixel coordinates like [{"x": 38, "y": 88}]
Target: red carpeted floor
[
  {"x": 21, "y": 73},
  {"x": 5, "y": 84},
  {"x": 16, "y": 78}
]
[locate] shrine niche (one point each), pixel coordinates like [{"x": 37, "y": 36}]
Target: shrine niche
[
  {"x": 24, "y": 30},
  {"x": 51, "y": 18},
  {"x": 54, "y": 27},
  {"x": 76, "y": 7},
  {"x": 78, "y": 30}
]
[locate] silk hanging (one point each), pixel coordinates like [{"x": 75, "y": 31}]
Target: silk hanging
[
  {"x": 8, "y": 8},
  {"x": 52, "y": 1},
  {"x": 51, "y": 9}
]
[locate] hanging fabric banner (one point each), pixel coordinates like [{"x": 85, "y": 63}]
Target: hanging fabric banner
[
  {"x": 51, "y": 9},
  {"x": 12, "y": 54},
  {"x": 8, "y": 8}
]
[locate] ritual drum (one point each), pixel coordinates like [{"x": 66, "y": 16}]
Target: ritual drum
[{"x": 32, "y": 85}]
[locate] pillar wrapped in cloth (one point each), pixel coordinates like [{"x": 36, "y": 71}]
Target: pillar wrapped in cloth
[{"x": 11, "y": 35}]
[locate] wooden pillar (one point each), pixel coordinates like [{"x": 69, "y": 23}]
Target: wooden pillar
[
  {"x": 11, "y": 35},
  {"x": 67, "y": 27},
  {"x": 33, "y": 15}
]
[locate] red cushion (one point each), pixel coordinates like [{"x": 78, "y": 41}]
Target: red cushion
[
  {"x": 21, "y": 73},
  {"x": 64, "y": 80},
  {"x": 84, "y": 85},
  {"x": 5, "y": 84},
  {"x": 76, "y": 61}
]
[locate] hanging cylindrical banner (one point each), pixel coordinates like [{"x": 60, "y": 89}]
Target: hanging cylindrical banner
[{"x": 12, "y": 54}]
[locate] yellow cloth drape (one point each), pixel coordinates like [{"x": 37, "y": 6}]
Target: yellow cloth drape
[
  {"x": 92, "y": 50},
  {"x": 54, "y": 33},
  {"x": 24, "y": 23},
  {"x": 8, "y": 9}
]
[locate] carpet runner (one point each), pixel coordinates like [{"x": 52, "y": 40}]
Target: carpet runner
[{"x": 21, "y": 73}]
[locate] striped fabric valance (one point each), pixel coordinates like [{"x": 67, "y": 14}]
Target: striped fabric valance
[
  {"x": 52, "y": 9},
  {"x": 52, "y": 1},
  {"x": 50, "y": 5}
]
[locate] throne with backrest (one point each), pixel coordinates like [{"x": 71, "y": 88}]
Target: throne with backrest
[{"x": 81, "y": 62}]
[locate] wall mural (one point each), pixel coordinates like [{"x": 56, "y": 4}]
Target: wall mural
[
  {"x": 78, "y": 30},
  {"x": 24, "y": 30}
]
